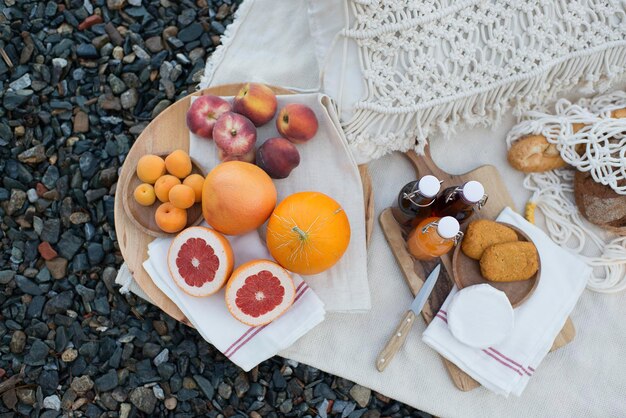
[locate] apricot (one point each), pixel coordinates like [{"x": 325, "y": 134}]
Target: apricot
[
  {"x": 150, "y": 168},
  {"x": 182, "y": 196},
  {"x": 178, "y": 164},
  {"x": 195, "y": 181},
  {"x": 144, "y": 194},
  {"x": 170, "y": 218},
  {"x": 163, "y": 186}
]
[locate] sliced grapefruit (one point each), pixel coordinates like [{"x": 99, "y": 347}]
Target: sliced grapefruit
[
  {"x": 200, "y": 261},
  {"x": 258, "y": 292}
]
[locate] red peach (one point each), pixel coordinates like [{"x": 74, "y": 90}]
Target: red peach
[
  {"x": 277, "y": 157},
  {"x": 204, "y": 112},
  {"x": 257, "y": 102},
  {"x": 234, "y": 134},
  {"x": 297, "y": 122}
]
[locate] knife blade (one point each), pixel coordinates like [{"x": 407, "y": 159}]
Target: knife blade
[{"x": 399, "y": 336}]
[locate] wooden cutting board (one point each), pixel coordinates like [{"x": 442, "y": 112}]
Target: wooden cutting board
[
  {"x": 415, "y": 271},
  {"x": 167, "y": 132}
]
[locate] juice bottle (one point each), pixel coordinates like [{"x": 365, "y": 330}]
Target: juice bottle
[
  {"x": 459, "y": 202},
  {"x": 415, "y": 199},
  {"x": 434, "y": 237}
]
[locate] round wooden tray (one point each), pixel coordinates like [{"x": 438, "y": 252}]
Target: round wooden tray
[
  {"x": 466, "y": 272},
  {"x": 143, "y": 216},
  {"x": 167, "y": 132}
]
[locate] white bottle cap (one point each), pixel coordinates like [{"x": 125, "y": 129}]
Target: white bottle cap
[
  {"x": 473, "y": 191},
  {"x": 448, "y": 227},
  {"x": 429, "y": 186}
]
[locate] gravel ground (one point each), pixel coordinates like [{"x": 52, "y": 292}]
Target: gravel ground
[{"x": 79, "y": 80}]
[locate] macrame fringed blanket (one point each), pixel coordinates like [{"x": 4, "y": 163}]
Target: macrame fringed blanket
[
  {"x": 429, "y": 65},
  {"x": 597, "y": 146}
]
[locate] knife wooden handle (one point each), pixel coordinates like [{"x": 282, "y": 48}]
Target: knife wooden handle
[{"x": 395, "y": 342}]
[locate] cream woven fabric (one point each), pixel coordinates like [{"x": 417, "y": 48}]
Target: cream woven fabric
[{"x": 428, "y": 64}]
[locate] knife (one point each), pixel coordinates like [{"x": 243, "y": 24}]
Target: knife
[{"x": 398, "y": 337}]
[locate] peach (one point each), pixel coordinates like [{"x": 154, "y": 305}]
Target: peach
[
  {"x": 170, "y": 218},
  {"x": 144, "y": 194},
  {"x": 277, "y": 157},
  {"x": 178, "y": 164},
  {"x": 163, "y": 186},
  {"x": 234, "y": 134},
  {"x": 257, "y": 102},
  {"x": 150, "y": 168},
  {"x": 248, "y": 157},
  {"x": 204, "y": 112},
  {"x": 182, "y": 196},
  {"x": 297, "y": 122},
  {"x": 195, "y": 181}
]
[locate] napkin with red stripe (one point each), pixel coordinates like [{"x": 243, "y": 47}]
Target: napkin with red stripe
[
  {"x": 244, "y": 345},
  {"x": 507, "y": 367}
]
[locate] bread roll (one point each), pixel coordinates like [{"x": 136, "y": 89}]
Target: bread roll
[
  {"x": 599, "y": 204},
  {"x": 482, "y": 234},
  {"x": 534, "y": 154},
  {"x": 510, "y": 261}
]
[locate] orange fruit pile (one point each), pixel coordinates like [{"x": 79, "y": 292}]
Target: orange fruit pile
[{"x": 162, "y": 180}]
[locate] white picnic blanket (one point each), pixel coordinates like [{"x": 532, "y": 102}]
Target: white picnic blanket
[{"x": 585, "y": 378}]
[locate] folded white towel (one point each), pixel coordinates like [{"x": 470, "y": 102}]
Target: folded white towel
[
  {"x": 507, "y": 367},
  {"x": 244, "y": 345}
]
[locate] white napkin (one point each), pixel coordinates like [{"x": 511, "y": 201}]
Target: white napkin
[
  {"x": 325, "y": 166},
  {"x": 244, "y": 345},
  {"x": 507, "y": 367}
]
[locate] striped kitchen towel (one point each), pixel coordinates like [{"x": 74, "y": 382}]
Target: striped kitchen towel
[
  {"x": 508, "y": 366},
  {"x": 244, "y": 345}
]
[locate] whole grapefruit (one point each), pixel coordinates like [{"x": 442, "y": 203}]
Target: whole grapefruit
[{"x": 237, "y": 197}]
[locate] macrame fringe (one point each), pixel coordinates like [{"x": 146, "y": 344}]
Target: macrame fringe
[
  {"x": 376, "y": 130},
  {"x": 227, "y": 37}
]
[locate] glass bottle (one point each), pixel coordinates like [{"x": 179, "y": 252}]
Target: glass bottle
[
  {"x": 415, "y": 199},
  {"x": 460, "y": 201},
  {"x": 434, "y": 237}
]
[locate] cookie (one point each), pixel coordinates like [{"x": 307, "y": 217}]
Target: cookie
[
  {"x": 482, "y": 234},
  {"x": 534, "y": 154},
  {"x": 510, "y": 261}
]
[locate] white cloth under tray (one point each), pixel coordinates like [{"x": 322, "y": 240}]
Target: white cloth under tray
[
  {"x": 244, "y": 345},
  {"x": 325, "y": 166},
  {"x": 583, "y": 379}
]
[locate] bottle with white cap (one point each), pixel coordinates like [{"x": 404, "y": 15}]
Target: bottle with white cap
[
  {"x": 434, "y": 237},
  {"x": 415, "y": 200},
  {"x": 460, "y": 201}
]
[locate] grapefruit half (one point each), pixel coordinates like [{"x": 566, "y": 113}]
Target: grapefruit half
[
  {"x": 258, "y": 292},
  {"x": 200, "y": 261}
]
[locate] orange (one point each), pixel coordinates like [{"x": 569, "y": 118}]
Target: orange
[
  {"x": 182, "y": 196},
  {"x": 144, "y": 194},
  {"x": 163, "y": 186},
  {"x": 150, "y": 168},
  {"x": 170, "y": 218},
  {"x": 237, "y": 197},
  {"x": 308, "y": 233},
  {"x": 178, "y": 164},
  {"x": 195, "y": 181}
]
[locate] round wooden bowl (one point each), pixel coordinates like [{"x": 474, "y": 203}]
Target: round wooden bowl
[
  {"x": 143, "y": 216},
  {"x": 466, "y": 272}
]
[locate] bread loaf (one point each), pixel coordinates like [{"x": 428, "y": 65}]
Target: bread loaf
[
  {"x": 534, "y": 154},
  {"x": 509, "y": 261},
  {"x": 481, "y": 234},
  {"x": 600, "y": 204}
]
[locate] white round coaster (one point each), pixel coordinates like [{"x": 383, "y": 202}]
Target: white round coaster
[{"x": 480, "y": 316}]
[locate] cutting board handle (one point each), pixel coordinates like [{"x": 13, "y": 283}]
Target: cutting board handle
[{"x": 424, "y": 164}]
